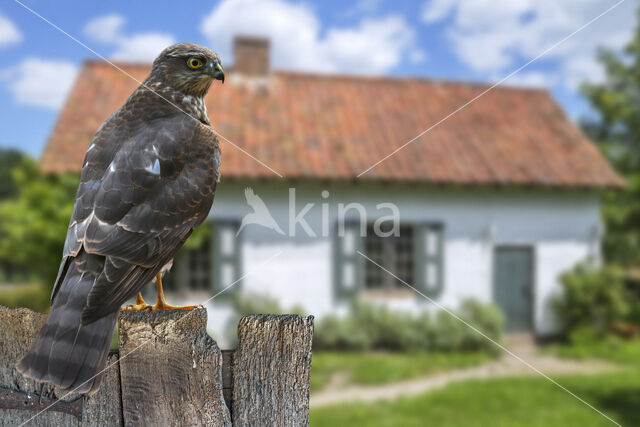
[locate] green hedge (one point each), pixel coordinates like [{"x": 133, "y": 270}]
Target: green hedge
[{"x": 375, "y": 327}]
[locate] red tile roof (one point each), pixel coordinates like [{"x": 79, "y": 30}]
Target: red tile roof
[{"x": 335, "y": 127}]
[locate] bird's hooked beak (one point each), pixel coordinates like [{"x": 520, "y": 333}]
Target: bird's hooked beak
[{"x": 214, "y": 69}]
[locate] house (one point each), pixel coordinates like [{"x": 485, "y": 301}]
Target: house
[{"x": 493, "y": 203}]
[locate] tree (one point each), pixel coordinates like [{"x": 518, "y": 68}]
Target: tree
[
  {"x": 33, "y": 223},
  {"x": 616, "y": 130},
  {"x": 9, "y": 159}
]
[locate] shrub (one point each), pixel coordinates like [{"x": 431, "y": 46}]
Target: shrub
[
  {"x": 376, "y": 327},
  {"x": 592, "y": 298},
  {"x": 385, "y": 328},
  {"x": 447, "y": 333},
  {"x": 335, "y": 333},
  {"x": 488, "y": 319}
]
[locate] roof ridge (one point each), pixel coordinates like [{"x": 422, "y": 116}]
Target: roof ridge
[{"x": 346, "y": 76}]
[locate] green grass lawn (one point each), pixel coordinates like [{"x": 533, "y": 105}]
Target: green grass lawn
[
  {"x": 380, "y": 367},
  {"x": 612, "y": 349},
  {"x": 528, "y": 401}
]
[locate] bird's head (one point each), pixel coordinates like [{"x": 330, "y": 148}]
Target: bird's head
[{"x": 189, "y": 68}]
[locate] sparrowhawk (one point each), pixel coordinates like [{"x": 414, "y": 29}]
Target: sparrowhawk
[{"x": 148, "y": 180}]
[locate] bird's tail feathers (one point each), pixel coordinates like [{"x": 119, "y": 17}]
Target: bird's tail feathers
[{"x": 65, "y": 352}]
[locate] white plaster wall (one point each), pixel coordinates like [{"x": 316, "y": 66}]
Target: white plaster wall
[{"x": 297, "y": 270}]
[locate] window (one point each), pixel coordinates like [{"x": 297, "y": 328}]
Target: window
[
  {"x": 415, "y": 256},
  {"x": 191, "y": 269},
  {"x": 199, "y": 272},
  {"x": 211, "y": 267},
  {"x": 395, "y": 254}
]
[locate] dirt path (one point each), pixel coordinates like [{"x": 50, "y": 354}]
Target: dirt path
[{"x": 504, "y": 367}]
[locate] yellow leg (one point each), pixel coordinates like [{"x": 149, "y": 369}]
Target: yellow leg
[
  {"x": 161, "y": 304},
  {"x": 139, "y": 305}
]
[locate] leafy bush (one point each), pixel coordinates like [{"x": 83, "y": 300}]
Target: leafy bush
[
  {"x": 592, "y": 298},
  {"x": 447, "y": 333},
  {"x": 632, "y": 284},
  {"x": 333, "y": 332},
  {"x": 385, "y": 328},
  {"x": 34, "y": 221},
  {"x": 376, "y": 327},
  {"x": 487, "y": 318}
]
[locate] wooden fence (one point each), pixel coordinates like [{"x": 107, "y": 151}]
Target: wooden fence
[{"x": 168, "y": 371}]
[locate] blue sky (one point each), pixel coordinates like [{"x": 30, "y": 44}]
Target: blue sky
[{"x": 471, "y": 40}]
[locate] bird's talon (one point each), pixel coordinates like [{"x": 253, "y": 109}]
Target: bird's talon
[
  {"x": 160, "y": 307},
  {"x": 140, "y": 305},
  {"x": 161, "y": 303}
]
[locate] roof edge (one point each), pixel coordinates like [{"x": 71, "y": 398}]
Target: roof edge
[{"x": 344, "y": 76}]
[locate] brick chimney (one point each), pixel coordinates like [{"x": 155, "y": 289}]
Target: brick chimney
[{"x": 251, "y": 56}]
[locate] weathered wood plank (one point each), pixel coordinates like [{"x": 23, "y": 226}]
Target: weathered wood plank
[
  {"x": 104, "y": 408},
  {"x": 18, "y": 329},
  {"x": 271, "y": 371},
  {"x": 170, "y": 369}
]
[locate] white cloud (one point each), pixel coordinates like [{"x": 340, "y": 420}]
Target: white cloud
[
  {"x": 139, "y": 47},
  {"x": 40, "y": 82},
  {"x": 533, "y": 79},
  {"x": 373, "y": 46},
  {"x": 435, "y": 10},
  {"x": 105, "y": 29},
  {"x": 362, "y": 7},
  {"x": 143, "y": 47},
  {"x": 497, "y": 36},
  {"x": 9, "y": 33}
]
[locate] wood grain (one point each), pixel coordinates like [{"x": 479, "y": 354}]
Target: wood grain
[
  {"x": 271, "y": 371},
  {"x": 18, "y": 329},
  {"x": 170, "y": 369}
]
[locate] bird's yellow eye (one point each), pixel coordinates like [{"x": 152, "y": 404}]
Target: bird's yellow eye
[{"x": 194, "y": 63}]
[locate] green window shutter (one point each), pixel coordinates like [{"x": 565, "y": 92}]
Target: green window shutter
[
  {"x": 429, "y": 258},
  {"x": 225, "y": 258},
  {"x": 347, "y": 263}
]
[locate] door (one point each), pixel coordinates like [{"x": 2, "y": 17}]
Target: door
[{"x": 513, "y": 286}]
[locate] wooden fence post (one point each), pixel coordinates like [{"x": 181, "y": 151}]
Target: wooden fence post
[
  {"x": 21, "y": 399},
  {"x": 271, "y": 371},
  {"x": 168, "y": 371}
]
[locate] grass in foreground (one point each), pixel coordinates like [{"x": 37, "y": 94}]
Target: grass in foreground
[
  {"x": 380, "y": 367},
  {"x": 530, "y": 401}
]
